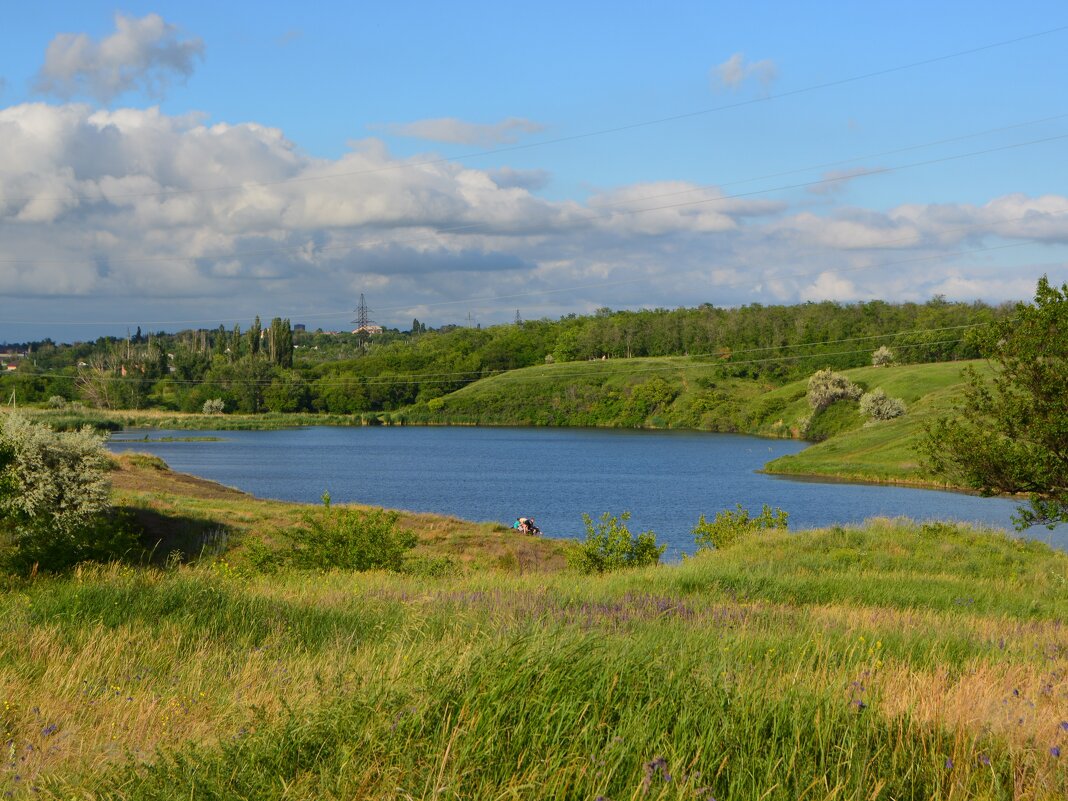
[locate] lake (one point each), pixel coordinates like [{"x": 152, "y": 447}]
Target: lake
[{"x": 666, "y": 479}]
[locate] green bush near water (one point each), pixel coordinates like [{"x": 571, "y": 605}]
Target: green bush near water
[
  {"x": 335, "y": 538},
  {"x": 609, "y": 545}
]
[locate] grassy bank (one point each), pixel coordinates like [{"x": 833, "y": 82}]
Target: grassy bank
[
  {"x": 117, "y": 419},
  {"x": 889, "y": 661}
]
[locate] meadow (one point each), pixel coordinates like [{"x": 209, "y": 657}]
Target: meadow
[{"x": 892, "y": 660}]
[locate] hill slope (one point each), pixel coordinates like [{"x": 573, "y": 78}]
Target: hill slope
[{"x": 681, "y": 392}]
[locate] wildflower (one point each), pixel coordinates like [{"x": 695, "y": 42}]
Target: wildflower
[
  {"x": 49, "y": 730},
  {"x": 1064, "y": 725},
  {"x": 984, "y": 759},
  {"x": 949, "y": 764},
  {"x": 1055, "y": 751}
]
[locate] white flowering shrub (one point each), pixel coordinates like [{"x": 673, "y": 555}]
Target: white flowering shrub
[
  {"x": 882, "y": 357},
  {"x": 826, "y": 386},
  {"x": 54, "y": 496},
  {"x": 214, "y": 406},
  {"x": 879, "y": 406}
]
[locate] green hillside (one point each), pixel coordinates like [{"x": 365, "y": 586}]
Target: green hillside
[{"x": 681, "y": 392}]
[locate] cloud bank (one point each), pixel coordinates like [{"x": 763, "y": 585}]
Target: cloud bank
[{"x": 136, "y": 217}]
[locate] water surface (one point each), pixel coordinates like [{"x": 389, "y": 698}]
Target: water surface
[{"x": 665, "y": 479}]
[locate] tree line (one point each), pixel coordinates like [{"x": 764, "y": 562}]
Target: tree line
[{"x": 276, "y": 368}]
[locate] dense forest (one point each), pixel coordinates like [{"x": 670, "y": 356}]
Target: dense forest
[{"x": 276, "y": 368}]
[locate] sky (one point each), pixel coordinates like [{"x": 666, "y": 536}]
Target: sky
[{"x": 174, "y": 165}]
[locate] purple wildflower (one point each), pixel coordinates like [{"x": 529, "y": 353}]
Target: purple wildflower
[
  {"x": 1064, "y": 725},
  {"x": 49, "y": 730},
  {"x": 1055, "y": 751},
  {"x": 949, "y": 764},
  {"x": 984, "y": 759}
]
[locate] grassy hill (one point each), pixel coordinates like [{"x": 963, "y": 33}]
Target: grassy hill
[
  {"x": 885, "y": 661},
  {"x": 690, "y": 393}
]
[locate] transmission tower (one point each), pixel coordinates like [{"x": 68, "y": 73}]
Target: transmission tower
[
  {"x": 518, "y": 318},
  {"x": 362, "y": 319}
]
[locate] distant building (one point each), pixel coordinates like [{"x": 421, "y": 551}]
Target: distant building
[
  {"x": 300, "y": 327},
  {"x": 369, "y": 328}
]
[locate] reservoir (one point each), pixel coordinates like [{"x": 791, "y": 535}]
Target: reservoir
[{"x": 665, "y": 479}]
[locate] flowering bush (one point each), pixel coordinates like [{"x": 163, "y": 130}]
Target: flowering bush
[
  {"x": 880, "y": 406},
  {"x": 826, "y": 386},
  {"x": 882, "y": 357},
  {"x": 54, "y": 496}
]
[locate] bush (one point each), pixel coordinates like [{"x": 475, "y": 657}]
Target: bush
[
  {"x": 826, "y": 386},
  {"x": 214, "y": 406},
  {"x": 880, "y": 406},
  {"x": 729, "y": 527},
  {"x": 57, "y": 402},
  {"x": 609, "y": 545},
  {"x": 348, "y": 539},
  {"x": 882, "y": 357},
  {"x": 54, "y": 497}
]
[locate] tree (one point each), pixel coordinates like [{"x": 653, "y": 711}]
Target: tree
[{"x": 1009, "y": 434}]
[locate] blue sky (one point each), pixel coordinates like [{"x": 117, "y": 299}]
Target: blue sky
[{"x": 172, "y": 164}]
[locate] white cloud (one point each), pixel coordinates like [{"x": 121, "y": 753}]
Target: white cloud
[
  {"x": 459, "y": 132},
  {"x": 829, "y": 286},
  {"x": 735, "y": 71},
  {"x": 121, "y": 214},
  {"x": 142, "y": 55}
]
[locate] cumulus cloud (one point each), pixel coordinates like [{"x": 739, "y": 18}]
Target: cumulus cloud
[
  {"x": 460, "y": 132},
  {"x": 142, "y": 55},
  {"x": 735, "y": 71},
  {"x": 126, "y": 213}
]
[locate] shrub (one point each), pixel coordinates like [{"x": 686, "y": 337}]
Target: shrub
[
  {"x": 349, "y": 539},
  {"x": 882, "y": 357},
  {"x": 214, "y": 406},
  {"x": 826, "y": 386},
  {"x": 57, "y": 402},
  {"x": 880, "y": 406},
  {"x": 54, "y": 497},
  {"x": 609, "y": 545},
  {"x": 729, "y": 527}
]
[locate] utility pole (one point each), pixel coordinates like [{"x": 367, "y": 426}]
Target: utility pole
[{"x": 518, "y": 319}]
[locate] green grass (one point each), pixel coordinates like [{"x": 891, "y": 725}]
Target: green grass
[
  {"x": 848, "y": 663},
  {"x": 887, "y": 450},
  {"x": 665, "y": 392}
]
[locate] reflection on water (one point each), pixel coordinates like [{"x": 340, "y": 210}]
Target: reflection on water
[{"x": 665, "y": 479}]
